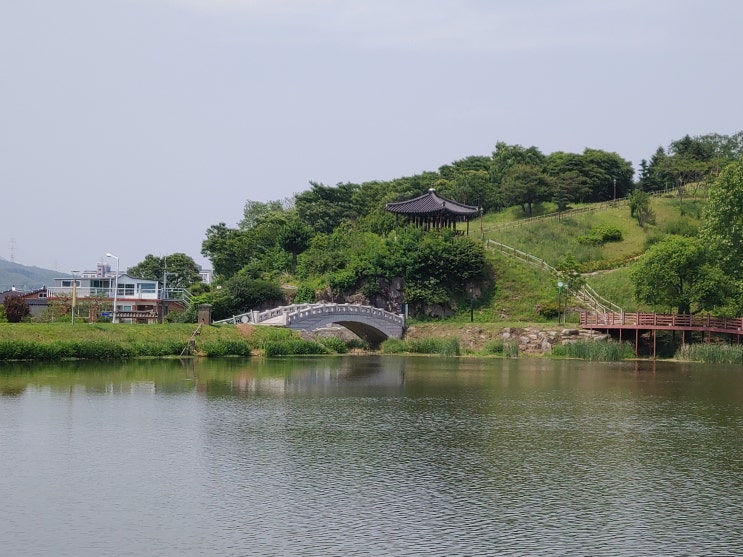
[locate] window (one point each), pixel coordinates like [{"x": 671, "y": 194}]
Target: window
[
  {"x": 146, "y": 287},
  {"x": 126, "y": 289}
]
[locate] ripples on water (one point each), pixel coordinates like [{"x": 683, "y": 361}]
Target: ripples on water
[{"x": 379, "y": 457}]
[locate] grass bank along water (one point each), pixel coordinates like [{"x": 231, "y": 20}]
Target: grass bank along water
[
  {"x": 106, "y": 341},
  {"x": 101, "y": 341}
]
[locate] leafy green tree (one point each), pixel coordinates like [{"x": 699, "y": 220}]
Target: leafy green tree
[
  {"x": 294, "y": 237},
  {"x": 225, "y": 248},
  {"x": 723, "y": 218},
  {"x": 182, "y": 270},
  {"x": 255, "y": 211},
  {"x": 609, "y": 174},
  {"x": 526, "y": 185},
  {"x": 247, "y": 293},
  {"x": 506, "y": 156},
  {"x": 639, "y": 208},
  {"x": 569, "y": 187},
  {"x": 678, "y": 273},
  {"x": 470, "y": 182},
  {"x": 16, "y": 309},
  {"x": 606, "y": 174},
  {"x": 652, "y": 174},
  {"x": 324, "y": 207}
]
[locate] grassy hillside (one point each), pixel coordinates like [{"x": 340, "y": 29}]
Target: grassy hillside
[
  {"x": 24, "y": 277},
  {"x": 521, "y": 289}
]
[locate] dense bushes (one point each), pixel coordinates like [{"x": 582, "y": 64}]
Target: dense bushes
[{"x": 600, "y": 235}]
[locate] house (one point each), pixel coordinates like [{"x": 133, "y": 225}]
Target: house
[
  {"x": 136, "y": 300},
  {"x": 36, "y": 299}
]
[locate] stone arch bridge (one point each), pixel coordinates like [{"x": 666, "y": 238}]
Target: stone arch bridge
[{"x": 372, "y": 324}]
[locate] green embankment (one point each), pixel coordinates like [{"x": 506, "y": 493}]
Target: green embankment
[
  {"x": 521, "y": 290},
  {"x": 102, "y": 341},
  {"x": 520, "y": 295}
]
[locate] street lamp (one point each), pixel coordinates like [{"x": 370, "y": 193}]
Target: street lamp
[
  {"x": 74, "y": 294},
  {"x": 560, "y": 285},
  {"x": 116, "y": 284},
  {"x": 472, "y": 301}
]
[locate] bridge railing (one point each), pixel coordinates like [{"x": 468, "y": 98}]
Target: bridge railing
[
  {"x": 344, "y": 309},
  {"x": 295, "y": 312},
  {"x": 637, "y": 319}
]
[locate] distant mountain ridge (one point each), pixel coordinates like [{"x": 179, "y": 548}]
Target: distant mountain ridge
[{"x": 24, "y": 277}]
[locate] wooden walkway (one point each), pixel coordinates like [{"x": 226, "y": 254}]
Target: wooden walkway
[{"x": 655, "y": 322}]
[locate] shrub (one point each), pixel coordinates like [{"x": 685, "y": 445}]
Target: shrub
[
  {"x": 342, "y": 280},
  {"x": 494, "y": 347},
  {"x": 305, "y": 295},
  {"x": 296, "y": 347},
  {"x": 16, "y": 309},
  {"x": 334, "y": 344},
  {"x": 548, "y": 310},
  {"x": 601, "y": 235},
  {"x": 393, "y": 346}
]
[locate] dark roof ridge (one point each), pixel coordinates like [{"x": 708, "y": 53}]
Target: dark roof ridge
[{"x": 431, "y": 202}]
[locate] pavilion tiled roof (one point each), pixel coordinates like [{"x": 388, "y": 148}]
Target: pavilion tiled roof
[{"x": 431, "y": 203}]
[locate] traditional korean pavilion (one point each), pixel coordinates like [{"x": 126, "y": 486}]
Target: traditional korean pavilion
[{"x": 433, "y": 212}]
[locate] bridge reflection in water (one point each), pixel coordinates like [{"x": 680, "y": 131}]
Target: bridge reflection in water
[
  {"x": 374, "y": 325},
  {"x": 654, "y": 322}
]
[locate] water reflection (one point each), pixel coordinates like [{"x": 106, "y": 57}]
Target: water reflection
[{"x": 371, "y": 456}]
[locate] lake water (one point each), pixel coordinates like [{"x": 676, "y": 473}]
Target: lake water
[{"x": 371, "y": 456}]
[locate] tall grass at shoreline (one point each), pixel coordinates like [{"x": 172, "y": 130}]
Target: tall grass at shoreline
[
  {"x": 711, "y": 353},
  {"x": 446, "y": 346},
  {"x": 596, "y": 351},
  {"x": 108, "y": 341}
]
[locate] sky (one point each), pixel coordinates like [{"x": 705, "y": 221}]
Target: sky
[{"x": 132, "y": 126}]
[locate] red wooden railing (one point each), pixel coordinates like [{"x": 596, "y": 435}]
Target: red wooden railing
[{"x": 590, "y": 319}]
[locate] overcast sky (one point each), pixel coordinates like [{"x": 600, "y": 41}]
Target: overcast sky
[{"x": 131, "y": 126}]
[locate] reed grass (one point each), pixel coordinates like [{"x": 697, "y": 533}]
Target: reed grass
[
  {"x": 594, "y": 350},
  {"x": 500, "y": 347},
  {"x": 444, "y": 346},
  {"x": 711, "y": 353},
  {"x": 295, "y": 347}
]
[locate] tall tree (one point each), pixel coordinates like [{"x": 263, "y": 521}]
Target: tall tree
[
  {"x": 324, "y": 207},
  {"x": 182, "y": 271},
  {"x": 526, "y": 185},
  {"x": 503, "y": 159},
  {"x": 225, "y": 248},
  {"x": 294, "y": 237},
  {"x": 653, "y": 176},
  {"x": 678, "y": 273},
  {"x": 723, "y": 218},
  {"x": 569, "y": 188},
  {"x": 639, "y": 208},
  {"x": 255, "y": 211}
]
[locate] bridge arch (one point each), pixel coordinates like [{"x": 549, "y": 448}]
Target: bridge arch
[{"x": 371, "y": 324}]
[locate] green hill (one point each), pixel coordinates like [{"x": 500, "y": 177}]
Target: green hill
[
  {"x": 24, "y": 277},
  {"x": 522, "y": 288}
]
